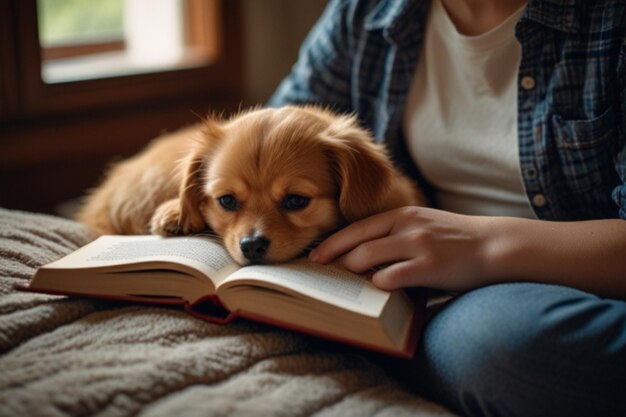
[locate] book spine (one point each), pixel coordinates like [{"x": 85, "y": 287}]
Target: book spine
[{"x": 211, "y": 309}]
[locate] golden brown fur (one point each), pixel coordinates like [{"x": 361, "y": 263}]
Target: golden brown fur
[{"x": 267, "y": 181}]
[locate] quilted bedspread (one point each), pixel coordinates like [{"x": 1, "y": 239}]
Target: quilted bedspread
[{"x": 76, "y": 357}]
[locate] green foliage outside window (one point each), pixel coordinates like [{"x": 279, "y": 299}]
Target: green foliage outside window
[{"x": 68, "y": 21}]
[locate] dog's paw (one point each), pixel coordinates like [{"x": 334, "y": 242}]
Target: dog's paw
[{"x": 166, "y": 220}]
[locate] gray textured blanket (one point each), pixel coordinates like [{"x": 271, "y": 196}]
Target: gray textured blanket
[{"x": 76, "y": 357}]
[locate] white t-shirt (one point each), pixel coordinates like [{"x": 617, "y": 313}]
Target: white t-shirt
[{"x": 461, "y": 117}]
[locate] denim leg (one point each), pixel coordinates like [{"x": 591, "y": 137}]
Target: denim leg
[{"x": 526, "y": 350}]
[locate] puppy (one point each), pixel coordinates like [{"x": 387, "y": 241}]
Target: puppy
[{"x": 269, "y": 182}]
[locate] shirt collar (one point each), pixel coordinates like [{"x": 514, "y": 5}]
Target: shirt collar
[
  {"x": 400, "y": 18},
  {"x": 397, "y": 19},
  {"x": 556, "y": 14}
]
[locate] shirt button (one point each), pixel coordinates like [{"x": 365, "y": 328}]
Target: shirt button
[
  {"x": 530, "y": 173},
  {"x": 539, "y": 200},
  {"x": 528, "y": 82}
]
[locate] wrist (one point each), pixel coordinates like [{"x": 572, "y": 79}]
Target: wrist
[{"x": 504, "y": 242}]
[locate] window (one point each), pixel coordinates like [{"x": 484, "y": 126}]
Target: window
[
  {"x": 74, "y": 95},
  {"x": 119, "y": 66},
  {"x": 66, "y": 26},
  {"x": 104, "y": 38}
]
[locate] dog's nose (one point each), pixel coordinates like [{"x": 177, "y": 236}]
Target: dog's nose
[{"x": 254, "y": 248}]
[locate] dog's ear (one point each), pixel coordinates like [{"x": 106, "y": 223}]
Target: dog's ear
[
  {"x": 195, "y": 167},
  {"x": 364, "y": 173}
]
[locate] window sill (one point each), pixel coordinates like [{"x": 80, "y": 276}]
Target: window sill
[{"x": 118, "y": 64}]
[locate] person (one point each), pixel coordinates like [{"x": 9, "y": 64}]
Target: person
[{"x": 512, "y": 116}]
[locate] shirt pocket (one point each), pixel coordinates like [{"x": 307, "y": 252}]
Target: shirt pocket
[{"x": 585, "y": 150}]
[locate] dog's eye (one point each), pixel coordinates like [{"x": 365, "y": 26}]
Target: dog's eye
[
  {"x": 293, "y": 202},
  {"x": 229, "y": 202}
]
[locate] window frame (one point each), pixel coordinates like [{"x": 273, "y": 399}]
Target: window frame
[
  {"x": 9, "y": 96},
  {"x": 220, "y": 78},
  {"x": 81, "y": 49},
  {"x": 56, "y": 140}
]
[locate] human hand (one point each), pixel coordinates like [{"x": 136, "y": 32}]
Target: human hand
[{"x": 420, "y": 246}]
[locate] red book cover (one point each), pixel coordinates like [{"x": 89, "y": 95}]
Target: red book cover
[{"x": 210, "y": 309}]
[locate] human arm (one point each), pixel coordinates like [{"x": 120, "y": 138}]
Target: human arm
[
  {"x": 323, "y": 71},
  {"x": 443, "y": 250}
]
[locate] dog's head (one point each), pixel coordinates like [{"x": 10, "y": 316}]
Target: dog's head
[{"x": 272, "y": 181}]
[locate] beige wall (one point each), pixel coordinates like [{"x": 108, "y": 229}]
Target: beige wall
[{"x": 273, "y": 31}]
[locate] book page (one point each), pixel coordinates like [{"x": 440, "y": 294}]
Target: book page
[
  {"x": 327, "y": 283},
  {"x": 201, "y": 253}
]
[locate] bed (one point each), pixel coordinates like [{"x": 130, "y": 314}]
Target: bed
[{"x": 75, "y": 357}]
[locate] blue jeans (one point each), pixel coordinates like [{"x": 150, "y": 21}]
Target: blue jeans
[{"x": 526, "y": 350}]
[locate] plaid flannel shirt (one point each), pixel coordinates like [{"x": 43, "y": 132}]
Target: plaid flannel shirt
[{"x": 361, "y": 55}]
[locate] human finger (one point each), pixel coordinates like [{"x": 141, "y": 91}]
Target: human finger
[
  {"x": 409, "y": 273},
  {"x": 351, "y": 236},
  {"x": 372, "y": 253}
]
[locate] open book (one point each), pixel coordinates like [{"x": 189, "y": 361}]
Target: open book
[{"x": 324, "y": 300}]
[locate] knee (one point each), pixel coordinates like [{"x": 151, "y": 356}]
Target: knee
[
  {"x": 469, "y": 347},
  {"x": 520, "y": 349}
]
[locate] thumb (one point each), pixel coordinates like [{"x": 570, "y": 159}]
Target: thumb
[{"x": 398, "y": 275}]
